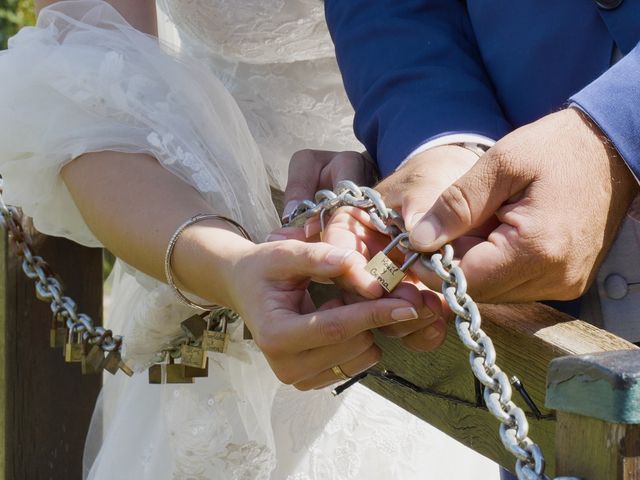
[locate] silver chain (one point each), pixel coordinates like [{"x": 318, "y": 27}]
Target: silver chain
[
  {"x": 514, "y": 427},
  {"x": 64, "y": 309},
  {"x": 49, "y": 288}
]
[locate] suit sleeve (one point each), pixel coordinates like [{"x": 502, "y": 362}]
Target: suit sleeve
[
  {"x": 613, "y": 102},
  {"x": 413, "y": 73}
]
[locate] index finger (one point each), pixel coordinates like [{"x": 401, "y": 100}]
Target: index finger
[{"x": 337, "y": 325}]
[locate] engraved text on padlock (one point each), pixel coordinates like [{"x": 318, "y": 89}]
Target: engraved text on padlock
[
  {"x": 385, "y": 271},
  {"x": 388, "y": 274}
]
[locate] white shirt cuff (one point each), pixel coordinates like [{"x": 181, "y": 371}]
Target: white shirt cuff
[{"x": 469, "y": 138}]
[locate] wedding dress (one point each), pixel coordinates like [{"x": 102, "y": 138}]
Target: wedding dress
[{"x": 252, "y": 82}]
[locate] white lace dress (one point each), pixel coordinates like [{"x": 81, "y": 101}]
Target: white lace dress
[{"x": 263, "y": 84}]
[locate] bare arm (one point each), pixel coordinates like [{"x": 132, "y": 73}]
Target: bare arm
[{"x": 133, "y": 205}]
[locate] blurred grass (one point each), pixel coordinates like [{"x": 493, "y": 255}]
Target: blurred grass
[{"x": 14, "y": 14}]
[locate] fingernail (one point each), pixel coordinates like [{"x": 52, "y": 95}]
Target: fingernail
[
  {"x": 290, "y": 207},
  {"x": 414, "y": 220},
  {"x": 432, "y": 332},
  {"x": 274, "y": 237},
  {"x": 338, "y": 255},
  {"x": 404, "y": 313},
  {"x": 426, "y": 232}
]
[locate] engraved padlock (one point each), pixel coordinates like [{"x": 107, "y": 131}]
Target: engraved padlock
[
  {"x": 74, "y": 347},
  {"x": 388, "y": 274},
  {"x": 215, "y": 337},
  {"x": 193, "y": 356}
]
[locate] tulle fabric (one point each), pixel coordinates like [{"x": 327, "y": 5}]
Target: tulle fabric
[{"x": 83, "y": 80}]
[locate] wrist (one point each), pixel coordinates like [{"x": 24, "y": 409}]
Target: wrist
[
  {"x": 454, "y": 153},
  {"x": 204, "y": 260}
]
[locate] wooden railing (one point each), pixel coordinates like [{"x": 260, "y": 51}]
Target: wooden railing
[
  {"x": 527, "y": 338},
  {"x": 593, "y": 431}
]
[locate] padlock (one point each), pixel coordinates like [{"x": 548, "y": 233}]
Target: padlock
[
  {"x": 93, "y": 361},
  {"x": 216, "y": 339},
  {"x": 168, "y": 372},
  {"x": 193, "y": 356},
  {"x": 176, "y": 374},
  {"x": 57, "y": 333},
  {"x": 74, "y": 348},
  {"x": 193, "y": 327},
  {"x": 194, "y": 372},
  {"x": 113, "y": 362},
  {"x": 388, "y": 274}
]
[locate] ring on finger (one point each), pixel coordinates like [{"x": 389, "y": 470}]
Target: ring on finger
[{"x": 338, "y": 372}]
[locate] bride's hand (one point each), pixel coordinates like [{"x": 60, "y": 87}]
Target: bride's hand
[
  {"x": 300, "y": 342},
  {"x": 352, "y": 228}
]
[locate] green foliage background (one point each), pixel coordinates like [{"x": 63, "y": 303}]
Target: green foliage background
[{"x": 14, "y": 14}]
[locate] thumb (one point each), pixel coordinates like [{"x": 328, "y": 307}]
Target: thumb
[{"x": 467, "y": 203}]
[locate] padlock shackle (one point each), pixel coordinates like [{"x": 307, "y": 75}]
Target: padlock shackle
[{"x": 394, "y": 243}]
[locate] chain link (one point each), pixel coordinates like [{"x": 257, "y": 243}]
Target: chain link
[
  {"x": 49, "y": 288},
  {"x": 514, "y": 427}
]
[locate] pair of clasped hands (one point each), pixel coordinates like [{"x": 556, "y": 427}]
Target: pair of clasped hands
[{"x": 529, "y": 220}]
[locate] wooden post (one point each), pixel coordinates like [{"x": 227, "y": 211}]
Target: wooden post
[
  {"x": 46, "y": 404},
  {"x": 597, "y": 398}
]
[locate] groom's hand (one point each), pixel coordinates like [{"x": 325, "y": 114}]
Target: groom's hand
[
  {"x": 558, "y": 191},
  {"x": 415, "y": 187}
]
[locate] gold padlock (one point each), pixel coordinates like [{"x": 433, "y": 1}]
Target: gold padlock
[
  {"x": 216, "y": 339},
  {"x": 93, "y": 361},
  {"x": 194, "y": 372},
  {"x": 57, "y": 333},
  {"x": 74, "y": 348},
  {"x": 113, "y": 362},
  {"x": 388, "y": 274},
  {"x": 193, "y": 356},
  {"x": 168, "y": 372},
  {"x": 193, "y": 327},
  {"x": 177, "y": 374}
]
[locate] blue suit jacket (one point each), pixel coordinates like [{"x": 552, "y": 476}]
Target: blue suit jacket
[{"x": 418, "y": 69}]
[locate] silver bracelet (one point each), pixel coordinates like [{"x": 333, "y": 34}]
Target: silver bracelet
[{"x": 172, "y": 243}]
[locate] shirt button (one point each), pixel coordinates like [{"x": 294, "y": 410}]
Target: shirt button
[
  {"x": 608, "y": 4},
  {"x": 615, "y": 286}
]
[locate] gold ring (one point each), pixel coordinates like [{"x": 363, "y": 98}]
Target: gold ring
[{"x": 338, "y": 372}]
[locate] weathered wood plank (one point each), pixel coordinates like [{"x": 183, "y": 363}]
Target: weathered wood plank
[
  {"x": 527, "y": 338},
  {"x": 48, "y": 404},
  {"x": 597, "y": 398},
  {"x": 597, "y": 450}
]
